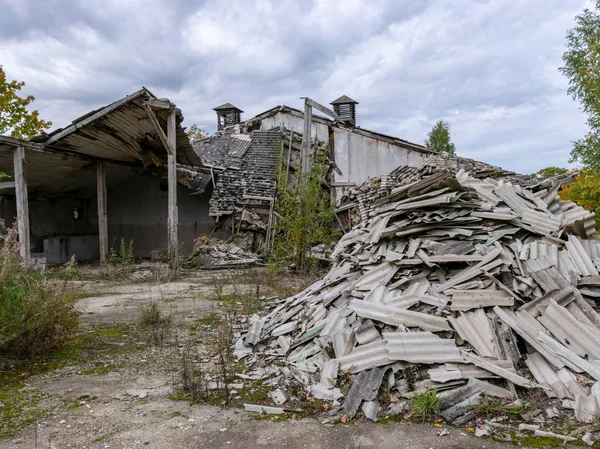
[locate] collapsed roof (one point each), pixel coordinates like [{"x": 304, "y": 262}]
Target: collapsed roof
[
  {"x": 246, "y": 166},
  {"x": 362, "y": 200},
  {"x": 450, "y": 279}
]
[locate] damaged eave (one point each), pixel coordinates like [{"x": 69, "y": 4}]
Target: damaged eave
[{"x": 127, "y": 130}]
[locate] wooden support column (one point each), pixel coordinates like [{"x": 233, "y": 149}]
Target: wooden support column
[
  {"x": 102, "y": 214},
  {"x": 172, "y": 240},
  {"x": 306, "y": 136},
  {"x": 22, "y": 204}
]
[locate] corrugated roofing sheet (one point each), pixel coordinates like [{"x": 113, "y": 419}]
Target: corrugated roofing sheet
[
  {"x": 476, "y": 328},
  {"x": 581, "y": 338},
  {"x": 473, "y": 299},
  {"x": 398, "y": 317},
  {"x": 365, "y": 357},
  {"x": 421, "y": 347}
]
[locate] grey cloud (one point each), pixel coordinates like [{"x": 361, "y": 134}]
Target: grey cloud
[{"x": 490, "y": 68}]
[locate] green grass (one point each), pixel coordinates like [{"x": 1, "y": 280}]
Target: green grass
[{"x": 425, "y": 405}]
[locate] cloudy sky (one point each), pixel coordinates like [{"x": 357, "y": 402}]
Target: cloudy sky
[{"x": 490, "y": 68}]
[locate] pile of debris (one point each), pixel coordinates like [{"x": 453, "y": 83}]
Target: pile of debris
[
  {"x": 218, "y": 254},
  {"x": 361, "y": 201},
  {"x": 467, "y": 285}
]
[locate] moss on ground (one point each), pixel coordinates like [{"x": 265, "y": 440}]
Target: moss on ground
[{"x": 21, "y": 406}]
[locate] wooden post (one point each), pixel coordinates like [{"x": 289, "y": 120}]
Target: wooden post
[
  {"x": 102, "y": 214},
  {"x": 289, "y": 158},
  {"x": 22, "y": 203},
  {"x": 306, "y": 135},
  {"x": 173, "y": 241}
]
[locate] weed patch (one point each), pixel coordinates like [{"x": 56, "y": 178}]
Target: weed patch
[
  {"x": 425, "y": 405},
  {"x": 36, "y": 314}
]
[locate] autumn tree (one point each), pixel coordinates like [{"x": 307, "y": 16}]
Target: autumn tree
[
  {"x": 582, "y": 68},
  {"x": 585, "y": 191},
  {"x": 439, "y": 138},
  {"x": 196, "y": 133},
  {"x": 15, "y": 118}
]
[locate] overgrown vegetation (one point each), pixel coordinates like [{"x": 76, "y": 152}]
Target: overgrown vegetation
[
  {"x": 151, "y": 317},
  {"x": 585, "y": 191},
  {"x": 305, "y": 214},
  {"x": 489, "y": 407},
  {"x": 123, "y": 255},
  {"x": 425, "y": 405},
  {"x": 36, "y": 314},
  {"x": 209, "y": 382}
]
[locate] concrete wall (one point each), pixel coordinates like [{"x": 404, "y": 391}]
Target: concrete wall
[
  {"x": 54, "y": 217},
  {"x": 137, "y": 210}
]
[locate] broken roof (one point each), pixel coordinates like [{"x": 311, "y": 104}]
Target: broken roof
[
  {"x": 355, "y": 129},
  {"x": 123, "y": 132},
  {"x": 366, "y": 196},
  {"x": 247, "y": 167}
]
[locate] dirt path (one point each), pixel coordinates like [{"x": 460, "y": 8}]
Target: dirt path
[{"x": 114, "y": 386}]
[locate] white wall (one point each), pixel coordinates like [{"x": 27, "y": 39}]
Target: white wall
[{"x": 359, "y": 157}]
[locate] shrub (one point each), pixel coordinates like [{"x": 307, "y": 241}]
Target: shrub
[
  {"x": 36, "y": 314},
  {"x": 150, "y": 315}
]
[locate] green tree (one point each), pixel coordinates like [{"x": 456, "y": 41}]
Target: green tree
[
  {"x": 582, "y": 68},
  {"x": 549, "y": 172},
  {"x": 439, "y": 138},
  {"x": 196, "y": 133},
  {"x": 15, "y": 119},
  {"x": 305, "y": 213}
]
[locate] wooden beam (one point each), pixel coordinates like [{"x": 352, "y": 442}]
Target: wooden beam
[
  {"x": 102, "y": 214},
  {"x": 7, "y": 185},
  {"x": 22, "y": 203},
  {"x": 161, "y": 134},
  {"x": 289, "y": 158},
  {"x": 160, "y": 103},
  {"x": 324, "y": 110},
  {"x": 12, "y": 142},
  {"x": 173, "y": 241},
  {"x": 306, "y": 135}
]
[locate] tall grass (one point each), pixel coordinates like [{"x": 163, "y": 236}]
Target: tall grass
[{"x": 36, "y": 314}]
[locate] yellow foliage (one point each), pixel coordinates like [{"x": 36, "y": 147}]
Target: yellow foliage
[
  {"x": 15, "y": 118},
  {"x": 585, "y": 191}
]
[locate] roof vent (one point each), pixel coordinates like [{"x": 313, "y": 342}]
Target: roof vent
[
  {"x": 227, "y": 114},
  {"x": 345, "y": 107}
]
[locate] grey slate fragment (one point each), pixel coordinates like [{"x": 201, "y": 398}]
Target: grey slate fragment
[
  {"x": 371, "y": 409},
  {"x": 364, "y": 388}
]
